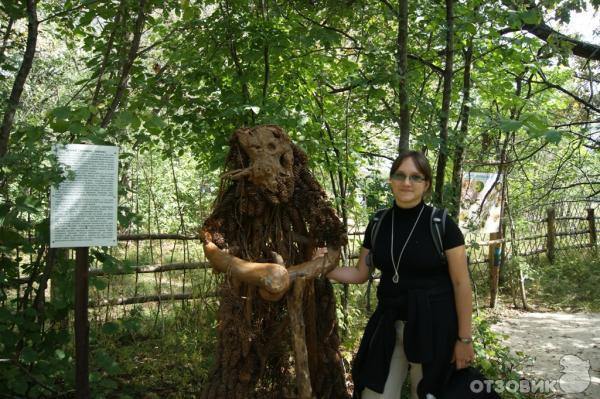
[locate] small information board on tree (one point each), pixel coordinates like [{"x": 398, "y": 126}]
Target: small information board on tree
[{"x": 83, "y": 208}]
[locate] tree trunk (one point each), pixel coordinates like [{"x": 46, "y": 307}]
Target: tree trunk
[
  {"x": 459, "y": 150},
  {"x": 445, "y": 110},
  {"x": 21, "y": 78},
  {"x": 402, "y": 62}
]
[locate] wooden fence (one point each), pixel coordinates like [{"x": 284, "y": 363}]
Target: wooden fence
[{"x": 542, "y": 234}]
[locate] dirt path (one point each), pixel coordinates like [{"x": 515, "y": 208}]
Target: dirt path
[{"x": 565, "y": 349}]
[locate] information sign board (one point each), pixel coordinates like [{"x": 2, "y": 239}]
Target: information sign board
[{"x": 83, "y": 208}]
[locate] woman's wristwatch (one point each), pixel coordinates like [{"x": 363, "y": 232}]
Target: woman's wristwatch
[{"x": 465, "y": 340}]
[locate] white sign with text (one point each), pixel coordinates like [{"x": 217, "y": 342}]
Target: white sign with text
[{"x": 83, "y": 208}]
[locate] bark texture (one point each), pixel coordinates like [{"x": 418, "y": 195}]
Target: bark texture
[{"x": 271, "y": 209}]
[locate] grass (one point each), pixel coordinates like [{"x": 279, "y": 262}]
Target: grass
[
  {"x": 157, "y": 357},
  {"x": 568, "y": 284}
]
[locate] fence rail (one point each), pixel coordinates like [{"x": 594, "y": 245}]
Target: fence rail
[
  {"x": 152, "y": 268},
  {"x": 532, "y": 245}
]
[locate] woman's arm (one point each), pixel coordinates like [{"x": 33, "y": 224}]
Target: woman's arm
[
  {"x": 459, "y": 274},
  {"x": 352, "y": 275}
]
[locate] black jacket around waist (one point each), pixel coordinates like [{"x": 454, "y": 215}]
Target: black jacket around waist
[{"x": 430, "y": 334}]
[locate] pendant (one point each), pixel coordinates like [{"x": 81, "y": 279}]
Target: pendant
[{"x": 395, "y": 279}]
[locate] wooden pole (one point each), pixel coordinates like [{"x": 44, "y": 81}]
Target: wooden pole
[
  {"x": 82, "y": 383},
  {"x": 295, "y": 312},
  {"x": 551, "y": 235},
  {"x": 494, "y": 265},
  {"x": 592, "y": 224}
]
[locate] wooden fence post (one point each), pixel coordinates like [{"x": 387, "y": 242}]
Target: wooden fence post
[
  {"x": 551, "y": 235},
  {"x": 494, "y": 267},
  {"x": 592, "y": 224}
]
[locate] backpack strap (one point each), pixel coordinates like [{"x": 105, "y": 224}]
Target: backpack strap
[
  {"x": 438, "y": 229},
  {"x": 376, "y": 219}
]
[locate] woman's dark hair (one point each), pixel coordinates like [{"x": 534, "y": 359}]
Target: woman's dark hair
[{"x": 421, "y": 163}]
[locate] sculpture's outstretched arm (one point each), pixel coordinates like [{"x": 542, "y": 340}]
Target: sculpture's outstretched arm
[{"x": 272, "y": 279}]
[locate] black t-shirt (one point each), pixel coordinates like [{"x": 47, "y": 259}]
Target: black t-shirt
[{"x": 421, "y": 265}]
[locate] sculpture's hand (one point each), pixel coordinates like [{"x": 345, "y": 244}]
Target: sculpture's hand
[
  {"x": 272, "y": 279},
  {"x": 317, "y": 266}
]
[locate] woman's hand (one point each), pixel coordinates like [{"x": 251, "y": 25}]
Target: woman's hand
[
  {"x": 463, "y": 354},
  {"x": 352, "y": 275}
]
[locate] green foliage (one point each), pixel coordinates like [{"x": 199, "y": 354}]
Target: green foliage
[
  {"x": 570, "y": 283},
  {"x": 327, "y": 73},
  {"x": 137, "y": 346},
  {"x": 494, "y": 358}
]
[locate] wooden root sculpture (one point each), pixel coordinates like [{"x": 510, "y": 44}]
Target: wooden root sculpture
[{"x": 277, "y": 334}]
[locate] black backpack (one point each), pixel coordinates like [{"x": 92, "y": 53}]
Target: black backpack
[{"x": 437, "y": 227}]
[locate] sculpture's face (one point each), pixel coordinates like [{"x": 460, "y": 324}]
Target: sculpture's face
[{"x": 271, "y": 161}]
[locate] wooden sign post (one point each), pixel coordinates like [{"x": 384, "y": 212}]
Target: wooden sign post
[
  {"x": 83, "y": 213},
  {"x": 82, "y": 325}
]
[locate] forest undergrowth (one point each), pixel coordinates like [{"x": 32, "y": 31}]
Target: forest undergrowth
[{"x": 170, "y": 356}]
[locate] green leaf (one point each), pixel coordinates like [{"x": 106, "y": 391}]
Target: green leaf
[
  {"x": 33, "y": 134},
  {"x": 509, "y": 125},
  {"x": 76, "y": 128},
  {"x": 470, "y": 28},
  {"x": 60, "y": 125},
  {"x": 99, "y": 283},
  {"x": 107, "y": 363},
  {"x": 110, "y": 328},
  {"x": 123, "y": 119},
  {"x": 60, "y": 354},
  {"x": 154, "y": 123},
  {"x": 132, "y": 325},
  {"x": 61, "y": 112},
  {"x": 531, "y": 17},
  {"x": 28, "y": 355},
  {"x": 10, "y": 237},
  {"x": 87, "y": 18},
  {"x": 19, "y": 385},
  {"x": 28, "y": 204},
  {"x": 553, "y": 136}
]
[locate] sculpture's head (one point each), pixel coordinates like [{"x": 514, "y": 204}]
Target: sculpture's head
[{"x": 264, "y": 156}]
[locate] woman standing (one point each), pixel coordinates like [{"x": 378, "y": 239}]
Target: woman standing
[{"x": 423, "y": 316}]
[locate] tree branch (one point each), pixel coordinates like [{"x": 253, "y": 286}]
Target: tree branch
[
  {"x": 576, "y": 123},
  {"x": 373, "y": 154},
  {"x": 390, "y": 6},
  {"x": 266, "y": 73},
  {"x": 322, "y": 25},
  {"x": 430, "y": 64},
  {"x": 21, "y": 78},
  {"x": 135, "y": 44},
  {"x": 567, "y": 92},
  {"x": 7, "y": 32},
  {"x": 542, "y": 31},
  {"x": 335, "y": 90},
  {"x": 64, "y": 12},
  {"x": 103, "y": 65}
]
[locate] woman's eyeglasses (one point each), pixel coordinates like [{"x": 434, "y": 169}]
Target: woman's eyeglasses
[{"x": 412, "y": 178}]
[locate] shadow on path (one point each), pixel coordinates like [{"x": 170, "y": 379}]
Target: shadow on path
[{"x": 565, "y": 347}]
